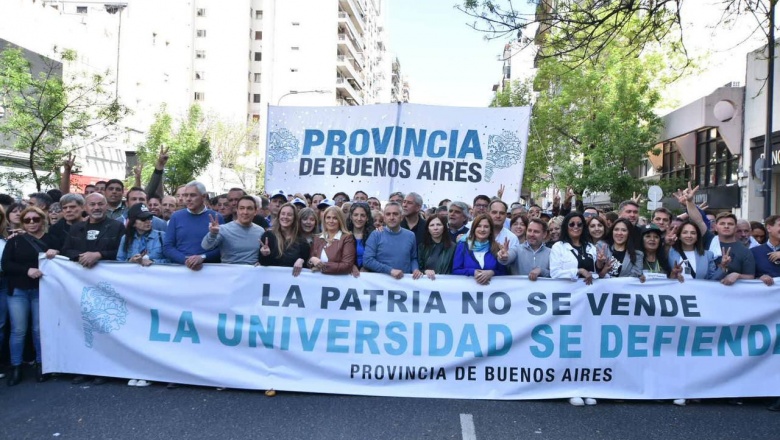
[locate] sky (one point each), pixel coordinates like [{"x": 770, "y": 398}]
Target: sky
[{"x": 446, "y": 62}]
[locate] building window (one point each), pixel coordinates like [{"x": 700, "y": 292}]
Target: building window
[
  {"x": 81, "y": 9},
  {"x": 674, "y": 165},
  {"x": 715, "y": 165},
  {"x": 200, "y": 54},
  {"x": 201, "y": 12},
  {"x": 200, "y": 75},
  {"x": 257, "y": 77},
  {"x": 200, "y": 33},
  {"x": 258, "y": 35},
  {"x": 293, "y": 69},
  {"x": 258, "y": 56},
  {"x": 256, "y": 98},
  {"x": 295, "y": 23},
  {"x": 200, "y": 96},
  {"x": 295, "y": 48},
  {"x": 258, "y": 15}
]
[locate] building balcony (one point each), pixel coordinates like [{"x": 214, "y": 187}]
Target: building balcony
[
  {"x": 355, "y": 12},
  {"x": 349, "y": 44},
  {"x": 346, "y": 22},
  {"x": 348, "y": 69},
  {"x": 345, "y": 90}
]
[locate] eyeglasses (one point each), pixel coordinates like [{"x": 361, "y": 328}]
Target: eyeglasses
[
  {"x": 575, "y": 225},
  {"x": 481, "y": 205},
  {"x": 589, "y": 214},
  {"x": 31, "y": 220}
]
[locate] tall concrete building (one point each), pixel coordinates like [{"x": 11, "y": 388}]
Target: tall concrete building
[{"x": 233, "y": 58}]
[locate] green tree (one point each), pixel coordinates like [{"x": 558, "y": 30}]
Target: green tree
[
  {"x": 49, "y": 116},
  {"x": 235, "y": 148},
  {"x": 188, "y": 147},
  {"x": 593, "y": 124}
]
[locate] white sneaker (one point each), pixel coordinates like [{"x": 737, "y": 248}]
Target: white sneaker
[
  {"x": 679, "y": 402},
  {"x": 577, "y": 401},
  {"x": 142, "y": 383},
  {"x": 132, "y": 382},
  {"x": 590, "y": 401}
]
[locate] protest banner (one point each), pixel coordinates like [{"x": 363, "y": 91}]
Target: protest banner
[
  {"x": 384, "y": 148},
  {"x": 260, "y": 328}
]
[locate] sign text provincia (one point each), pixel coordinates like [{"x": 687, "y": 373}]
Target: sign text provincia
[
  {"x": 397, "y": 147},
  {"x": 260, "y": 328}
]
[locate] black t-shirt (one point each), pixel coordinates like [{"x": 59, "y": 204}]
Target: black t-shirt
[
  {"x": 584, "y": 259},
  {"x": 616, "y": 262}
]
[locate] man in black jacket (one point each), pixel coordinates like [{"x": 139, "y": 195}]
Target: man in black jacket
[{"x": 95, "y": 239}]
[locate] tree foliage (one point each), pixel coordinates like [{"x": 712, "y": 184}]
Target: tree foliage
[
  {"x": 594, "y": 124},
  {"x": 235, "y": 148},
  {"x": 574, "y": 30},
  {"x": 48, "y": 115},
  {"x": 188, "y": 147}
]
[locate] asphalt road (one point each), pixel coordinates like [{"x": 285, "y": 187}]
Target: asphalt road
[{"x": 58, "y": 410}]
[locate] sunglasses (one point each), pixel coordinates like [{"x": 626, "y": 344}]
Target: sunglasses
[
  {"x": 31, "y": 220},
  {"x": 575, "y": 225}
]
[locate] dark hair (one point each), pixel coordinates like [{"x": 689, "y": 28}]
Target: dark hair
[
  {"x": 545, "y": 226},
  {"x": 660, "y": 254},
  {"x": 445, "y": 202},
  {"x": 103, "y": 182},
  {"x": 360, "y": 192},
  {"x": 612, "y": 216},
  {"x": 481, "y": 197},
  {"x": 154, "y": 196},
  {"x": 117, "y": 181},
  {"x": 55, "y": 194},
  {"x": 244, "y": 197},
  {"x": 6, "y": 200},
  {"x": 663, "y": 211},
  {"x": 630, "y": 240},
  {"x": 523, "y": 218},
  {"x": 340, "y": 193},
  {"x": 445, "y": 236},
  {"x": 584, "y": 238},
  {"x": 368, "y": 228},
  {"x": 243, "y": 193},
  {"x": 43, "y": 197},
  {"x": 625, "y": 203},
  {"x": 535, "y": 206},
  {"x": 494, "y": 247},
  {"x": 698, "y": 247},
  {"x": 136, "y": 189},
  {"x": 603, "y": 223}
]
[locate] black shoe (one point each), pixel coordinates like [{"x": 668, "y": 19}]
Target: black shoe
[
  {"x": 78, "y": 380},
  {"x": 775, "y": 406},
  {"x": 39, "y": 376},
  {"x": 172, "y": 386},
  {"x": 15, "y": 376},
  {"x": 99, "y": 380}
]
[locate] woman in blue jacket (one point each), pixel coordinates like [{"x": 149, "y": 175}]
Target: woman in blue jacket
[
  {"x": 478, "y": 255},
  {"x": 690, "y": 260},
  {"x": 141, "y": 244}
]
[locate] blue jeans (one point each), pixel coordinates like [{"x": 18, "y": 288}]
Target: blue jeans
[
  {"x": 20, "y": 305},
  {"x": 3, "y": 308}
]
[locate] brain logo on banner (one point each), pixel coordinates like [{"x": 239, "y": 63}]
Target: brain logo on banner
[
  {"x": 102, "y": 311},
  {"x": 503, "y": 151},
  {"x": 282, "y": 147}
]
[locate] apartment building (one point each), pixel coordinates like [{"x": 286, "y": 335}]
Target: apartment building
[{"x": 232, "y": 58}]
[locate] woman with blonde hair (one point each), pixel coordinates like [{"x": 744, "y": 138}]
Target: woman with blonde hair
[
  {"x": 20, "y": 267},
  {"x": 309, "y": 224},
  {"x": 333, "y": 251}
]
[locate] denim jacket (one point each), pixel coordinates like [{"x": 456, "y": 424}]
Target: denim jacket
[{"x": 151, "y": 243}]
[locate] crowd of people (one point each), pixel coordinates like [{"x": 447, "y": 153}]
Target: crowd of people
[{"x": 481, "y": 238}]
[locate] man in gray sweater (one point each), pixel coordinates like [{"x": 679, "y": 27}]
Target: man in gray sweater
[
  {"x": 394, "y": 250},
  {"x": 239, "y": 240}
]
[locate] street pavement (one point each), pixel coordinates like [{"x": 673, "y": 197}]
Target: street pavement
[{"x": 58, "y": 410}]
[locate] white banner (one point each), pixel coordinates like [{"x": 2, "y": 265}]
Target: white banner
[
  {"x": 260, "y": 328},
  {"x": 439, "y": 152}
]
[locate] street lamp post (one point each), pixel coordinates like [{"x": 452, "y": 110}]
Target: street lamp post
[
  {"x": 296, "y": 92},
  {"x": 114, "y": 8}
]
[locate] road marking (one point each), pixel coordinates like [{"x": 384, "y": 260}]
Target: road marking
[{"x": 467, "y": 427}]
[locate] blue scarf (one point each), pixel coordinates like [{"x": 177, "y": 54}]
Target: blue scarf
[{"x": 480, "y": 246}]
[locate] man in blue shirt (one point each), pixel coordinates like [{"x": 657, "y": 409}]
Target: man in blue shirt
[
  {"x": 394, "y": 250},
  {"x": 182, "y": 243}
]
